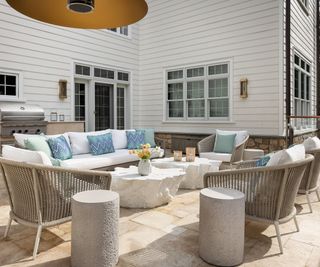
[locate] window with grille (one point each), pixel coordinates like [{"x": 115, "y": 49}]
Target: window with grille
[{"x": 124, "y": 30}]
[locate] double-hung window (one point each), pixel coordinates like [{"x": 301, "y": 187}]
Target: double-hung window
[
  {"x": 198, "y": 93},
  {"x": 302, "y": 88}
]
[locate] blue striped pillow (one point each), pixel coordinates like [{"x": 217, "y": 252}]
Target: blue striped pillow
[
  {"x": 100, "y": 144},
  {"x": 135, "y": 139},
  {"x": 60, "y": 148}
]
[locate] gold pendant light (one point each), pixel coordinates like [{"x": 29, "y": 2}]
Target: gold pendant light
[{"x": 85, "y": 14}]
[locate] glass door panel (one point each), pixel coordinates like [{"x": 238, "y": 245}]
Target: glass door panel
[
  {"x": 103, "y": 106},
  {"x": 120, "y": 108}
]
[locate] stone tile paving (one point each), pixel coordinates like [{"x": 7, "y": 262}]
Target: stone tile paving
[{"x": 168, "y": 237}]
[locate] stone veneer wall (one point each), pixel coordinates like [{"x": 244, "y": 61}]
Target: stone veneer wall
[{"x": 266, "y": 143}]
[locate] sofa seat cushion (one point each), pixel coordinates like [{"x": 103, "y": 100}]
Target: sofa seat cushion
[
  {"x": 89, "y": 161},
  {"x": 225, "y": 157}
]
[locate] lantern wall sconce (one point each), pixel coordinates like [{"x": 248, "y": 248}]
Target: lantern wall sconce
[
  {"x": 62, "y": 89},
  {"x": 244, "y": 88}
]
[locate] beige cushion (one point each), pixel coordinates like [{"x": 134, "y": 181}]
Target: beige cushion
[
  {"x": 216, "y": 156},
  {"x": 24, "y": 155},
  {"x": 287, "y": 156},
  {"x": 311, "y": 143}
]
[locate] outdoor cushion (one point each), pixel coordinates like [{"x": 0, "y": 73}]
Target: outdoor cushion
[
  {"x": 119, "y": 139},
  {"x": 311, "y": 143},
  {"x": 263, "y": 161},
  {"x": 224, "y": 143},
  {"x": 135, "y": 139},
  {"x": 79, "y": 141},
  {"x": 148, "y": 136},
  {"x": 240, "y": 135},
  {"x": 100, "y": 144},
  {"x": 287, "y": 156},
  {"x": 65, "y": 135},
  {"x": 19, "y": 138},
  {"x": 24, "y": 155},
  {"x": 225, "y": 157},
  {"x": 60, "y": 148}
]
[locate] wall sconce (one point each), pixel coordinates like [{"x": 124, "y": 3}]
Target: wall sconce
[
  {"x": 62, "y": 89},
  {"x": 244, "y": 88}
]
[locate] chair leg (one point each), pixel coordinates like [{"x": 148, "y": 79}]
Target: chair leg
[
  {"x": 317, "y": 192},
  {"x": 296, "y": 223},
  {"x": 309, "y": 202},
  {"x": 6, "y": 233},
  {"x": 37, "y": 241},
  {"x": 276, "y": 225}
]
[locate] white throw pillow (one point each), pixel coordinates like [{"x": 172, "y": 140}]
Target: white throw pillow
[
  {"x": 240, "y": 135},
  {"x": 119, "y": 139},
  {"x": 311, "y": 143},
  {"x": 287, "y": 156},
  {"x": 23, "y": 155},
  {"x": 19, "y": 138},
  {"x": 79, "y": 141}
]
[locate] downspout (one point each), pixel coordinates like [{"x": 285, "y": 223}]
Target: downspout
[
  {"x": 288, "y": 72},
  {"x": 318, "y": 58}
]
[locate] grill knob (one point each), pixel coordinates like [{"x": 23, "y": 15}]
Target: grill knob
[
  {"x": 19, "y": 131},
  {"x": 25, "y": 131},
  {"x": 13, "y": 131},
  {"x": 38, "y": 131}
]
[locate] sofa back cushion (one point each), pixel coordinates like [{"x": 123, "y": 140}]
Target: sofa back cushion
[
  {"x": 287, "y": 156},
  {"x": 79, "y": 141},
  {"x": 60, "y": 148},
  {"x": 240, "y": 135},
  {"x": 119, "y": 138},
  {"x": 100, "y": 144},
  {"x": 311, "y": 143},
  {"x": 24, "y": 155},
  {"x": 135, "y": 139}
]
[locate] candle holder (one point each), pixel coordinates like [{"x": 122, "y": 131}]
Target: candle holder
[
  {"x": 190, "y": 154},
  {"x": 177, "y": 155}
]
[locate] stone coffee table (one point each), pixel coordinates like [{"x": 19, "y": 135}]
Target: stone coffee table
[
  {"x": 150, "y": 191},
  {"x": 194, "y": 170}
]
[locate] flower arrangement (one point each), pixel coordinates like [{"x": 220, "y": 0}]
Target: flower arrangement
[{"x": 143, "y": 153}]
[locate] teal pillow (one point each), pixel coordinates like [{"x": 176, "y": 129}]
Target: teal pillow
[
  {"x": 100, "y": 144},
  {"x": 224, "y": 143},
  {"x": 148, "y": 136},
  {"x": 38, "y": 143},
  {"x": 60, "y": 148}
]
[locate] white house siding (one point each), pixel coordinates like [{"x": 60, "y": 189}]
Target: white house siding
[
  {"x": 303, "y": 40},
  {"x": 186, "y": 32},
  {"x": 45, "y": 54}
]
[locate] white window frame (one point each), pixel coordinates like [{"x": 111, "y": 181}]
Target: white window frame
[
  {"x": 118, "y": 33},
  {"x": 206, "y": 78},
  {"x": 19, "y": 86},
  {"x": 305, "y": 123}
]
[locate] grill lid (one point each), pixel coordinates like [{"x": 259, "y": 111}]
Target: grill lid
[{"x": 20, "y": 112}]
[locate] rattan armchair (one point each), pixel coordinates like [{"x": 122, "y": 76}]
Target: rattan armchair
[
  {"x": 309, "y": 182},
  {"x": 270, "y": 191},
  {"x": 40, "y": 196},
  {"x": 207, "y": 144}
]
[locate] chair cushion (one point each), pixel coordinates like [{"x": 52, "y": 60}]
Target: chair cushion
[
  {"x": 100, "y": 144},
  {"x": 24, "y": 155},
  {"x": 287, "y": 156},
  {"x": 79, "y": 141},
  {"x": 240, "y": 135},
  {"x": 148, "y": 136},
  {"x": 225, "y": 157},
  {"x": 60, "y": 148},
  {"x": 135, "y": 139},
  {"x": 224, "y": 143},
  {"x": 311, "y": 143}
]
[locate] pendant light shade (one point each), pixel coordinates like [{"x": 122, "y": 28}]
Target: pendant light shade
[{"x": 86, "y": 14}]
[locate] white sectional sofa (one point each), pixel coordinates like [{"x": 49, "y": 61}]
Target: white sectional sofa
[{"x": 81, "y": 157}]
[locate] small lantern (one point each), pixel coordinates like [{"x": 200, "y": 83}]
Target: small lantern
[
  {"x": 177, "y": 155},
  {"x": 53, "y": 116},
  {"x": 61, "y": 117},
  {"x": 244, "y": 88},
  {"x": 190, "y": 154}
]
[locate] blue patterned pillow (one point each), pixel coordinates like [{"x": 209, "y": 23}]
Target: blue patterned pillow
[
  {"x": 262, "y": 161},
  {"x": 100, "y": 144},
  {"x": 60, "y": 148},
  {"x": 135, "y": 139}
]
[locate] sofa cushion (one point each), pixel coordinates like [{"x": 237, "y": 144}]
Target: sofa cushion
[
  {"x": 225, "y": 157},
  {"x": 100, "y": 144},
  {"x": 240, "y": 135},
  {"x": 60, "y": 148},
  {"x": 311, "y": 143},
  {"x": 38, "y": 143},
  {"x": 88, "y": 161},
  {"x": 79, "y": 141},
  {"x": 148, "y": 136},
  {"x": 135, "y": 139},
  {"x": 287, "y": 156},
  {"x": 24, "y": 155},
  {"x": 119, "y": 138},
  {"x": 224, "y": 143},
  {"x": 19, "y": 138}
]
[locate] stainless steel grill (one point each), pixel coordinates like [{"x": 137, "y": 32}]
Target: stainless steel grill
[{"x": 21, "y": 118}]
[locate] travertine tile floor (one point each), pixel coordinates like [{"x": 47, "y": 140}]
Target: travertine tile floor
[{"x": 168, "y": 237}]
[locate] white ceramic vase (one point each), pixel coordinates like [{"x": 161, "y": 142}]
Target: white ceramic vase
[{"x": 144, "y": 167}]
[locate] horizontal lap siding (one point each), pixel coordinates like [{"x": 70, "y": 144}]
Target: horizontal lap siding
[
  {"x": 44, "y": 54},
  {"x": 186, "y": 32}
]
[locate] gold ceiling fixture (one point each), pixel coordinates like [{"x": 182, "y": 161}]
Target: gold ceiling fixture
[{"x": 85, "y": 14}]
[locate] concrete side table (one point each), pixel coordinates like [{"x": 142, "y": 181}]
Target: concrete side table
[
  {"x": 95, "y": 222},
  {"x": 221, "y": 229}
]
